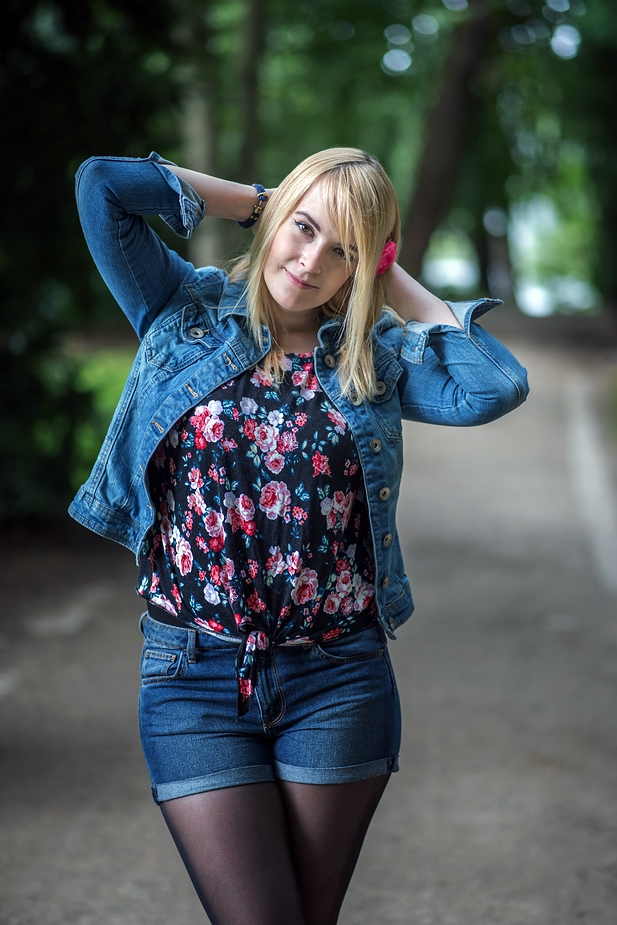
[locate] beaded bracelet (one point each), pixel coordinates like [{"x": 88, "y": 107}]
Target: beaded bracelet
[{"x": 257, "y": 208}]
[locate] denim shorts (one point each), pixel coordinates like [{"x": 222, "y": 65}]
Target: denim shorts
[{"x": 322, "y": 714}]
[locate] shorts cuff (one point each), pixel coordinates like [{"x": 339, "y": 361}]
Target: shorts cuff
[
  {"x": 344, "y": 775},
  {"x": 234, "y": 777}
]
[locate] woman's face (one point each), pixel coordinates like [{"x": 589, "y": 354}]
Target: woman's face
[{"x": 306, "y": 264}]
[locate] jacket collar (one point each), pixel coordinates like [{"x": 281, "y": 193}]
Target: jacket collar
[
  {"x": 233, "y": 300},
  {"x": 331, "y": 330}
]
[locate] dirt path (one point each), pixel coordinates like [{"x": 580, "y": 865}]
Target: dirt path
[{"x": 505, "y": 808}]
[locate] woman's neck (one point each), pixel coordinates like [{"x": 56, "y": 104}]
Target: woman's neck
[{"x": 297, "y": 333}]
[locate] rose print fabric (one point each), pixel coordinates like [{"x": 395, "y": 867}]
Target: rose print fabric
[{"x": 261, "y": 524}]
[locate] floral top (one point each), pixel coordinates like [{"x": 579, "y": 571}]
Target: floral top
[{"x": 261, "y": 519}]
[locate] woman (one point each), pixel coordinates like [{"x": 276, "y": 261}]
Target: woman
[{"x": 253, "y": 466}]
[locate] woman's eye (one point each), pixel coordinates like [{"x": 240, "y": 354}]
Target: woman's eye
[
  {"x": 303, "y": 227},
  {"x": 341, "y": 253}
]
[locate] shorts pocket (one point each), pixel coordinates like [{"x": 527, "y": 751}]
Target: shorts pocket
[
  {"x": 357, "y": 647},
  {"x": 161, "y": 664}
]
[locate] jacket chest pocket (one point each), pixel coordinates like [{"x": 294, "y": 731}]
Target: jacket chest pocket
[
  {"x": 183, "y": 340},
  {"x": 389, "y": 420}
]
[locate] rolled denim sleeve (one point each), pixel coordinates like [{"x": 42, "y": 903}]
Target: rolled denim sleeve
[
  {"x": 114, "y": 194},
  {"x": 191, "y": 207},
  {"x": 458, "y": 377}
]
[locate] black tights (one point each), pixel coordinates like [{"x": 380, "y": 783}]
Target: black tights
[{"x": 273, "y": 854}]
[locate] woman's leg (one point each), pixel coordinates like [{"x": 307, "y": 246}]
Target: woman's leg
[
  {"x": 252, "y": 855},
  {"x": 327, "y": 824},
  {"x": 235, "y": 845}
]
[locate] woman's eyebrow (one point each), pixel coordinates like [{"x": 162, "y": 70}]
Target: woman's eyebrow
[{"x": 310, "y": 218}]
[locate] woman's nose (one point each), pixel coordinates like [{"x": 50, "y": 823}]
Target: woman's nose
[{"x": 311, "y": 258}]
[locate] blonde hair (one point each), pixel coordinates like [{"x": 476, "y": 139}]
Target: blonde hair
[{"x": 364, "y": 210}]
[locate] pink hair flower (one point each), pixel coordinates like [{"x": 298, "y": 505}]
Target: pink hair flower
[{"x": 388, "y": 256}]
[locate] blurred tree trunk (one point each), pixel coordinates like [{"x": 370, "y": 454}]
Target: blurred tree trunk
[
  {"x": 252, "y": 52},
  {"x": 445, "y": 131},
  {"x": 499, "y": 268},
  {"x": 216, "y": 239},
  {"x": 200, "y": 99},
  {"x": 205, "y": 248},
  {"x": 596, "y": 101},
  {"x": 480, "y": 241}
]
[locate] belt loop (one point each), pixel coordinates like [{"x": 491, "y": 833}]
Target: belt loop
[
  {"x": 190, "y": 646},
  {"x": 142, "y": 620}
]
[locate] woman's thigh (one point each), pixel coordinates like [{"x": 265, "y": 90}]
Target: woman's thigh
[
  {"x": 235, "y": 844},
  {"x": 327, "y": 825}
]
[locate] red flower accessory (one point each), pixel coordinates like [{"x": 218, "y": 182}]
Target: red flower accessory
[{"x": 388, "y": 256}]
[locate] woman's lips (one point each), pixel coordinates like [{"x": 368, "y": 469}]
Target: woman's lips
[{"x": 298, "y": 282}]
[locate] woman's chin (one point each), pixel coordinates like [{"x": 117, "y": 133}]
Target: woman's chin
[{"x": 291, "y": 304}]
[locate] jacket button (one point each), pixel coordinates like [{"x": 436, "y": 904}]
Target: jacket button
[
  {"x": 376, "y": 445},
  {"x": 196, "y": 332},
  {"x": 386, "y": 583},
  {"x": 355, "y": 399},
  {"x": 329, "y": 361},
  {"x": 387, "y": 540},
  {"x": 380, "y": 388},
  {"x": 384, "y": 494}
]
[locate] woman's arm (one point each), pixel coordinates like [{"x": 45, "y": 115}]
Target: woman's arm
[
  {"x": 454, "y": 372},
  {"x": 413, "y": 302},
  {"x": 113, "y": 196},
  {"x": 460, "y": 376},
  {"x": 224, "y": 198}
]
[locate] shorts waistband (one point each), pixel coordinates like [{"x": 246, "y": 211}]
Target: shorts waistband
[{"x": 180, "y": 634}]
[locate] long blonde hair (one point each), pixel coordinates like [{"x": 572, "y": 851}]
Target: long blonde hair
[{"x": 365, "y": 212}]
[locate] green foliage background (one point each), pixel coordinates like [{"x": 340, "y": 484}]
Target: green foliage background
[{"x": 112, "y": 77}]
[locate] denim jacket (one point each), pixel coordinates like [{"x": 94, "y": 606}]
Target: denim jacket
[{"x": 199, "y": 339}]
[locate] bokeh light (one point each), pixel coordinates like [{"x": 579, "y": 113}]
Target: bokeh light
[
  {"x": 523, "y": 34},
  {"x": 426, "y": 27},
  {"x": 451, "y": 273},
  {"x": 396, "y": 62},
  {"x": 456, "y": 6},
  {"x": 397, "y": 34},
  {"x": 495, "y": 221},
  {"x": 535, "y": 300},
  {"x": 565, "y": 41}
]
